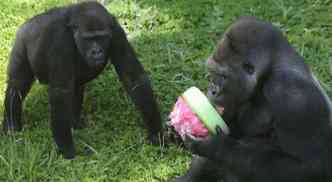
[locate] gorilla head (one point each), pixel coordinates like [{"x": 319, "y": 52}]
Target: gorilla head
[
  {"x": 239, "y": 64},
  {"x": 92, "y": 33}
]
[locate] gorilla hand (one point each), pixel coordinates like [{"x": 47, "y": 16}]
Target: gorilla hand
[{"x": 206, "y": 147}]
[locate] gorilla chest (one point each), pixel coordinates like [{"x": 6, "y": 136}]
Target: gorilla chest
[
  {"x": 85, "y": 74},
  {"x": 255, "y": 120},
  {"x": 81, "y": 73}
]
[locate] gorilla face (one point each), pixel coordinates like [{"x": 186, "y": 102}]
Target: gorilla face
[
  {"x": 238, "y": 65},
  {"x": 92, "y": 46},
  {"x": 232, "y": 80},
  {"x": 92, "y": 36}
]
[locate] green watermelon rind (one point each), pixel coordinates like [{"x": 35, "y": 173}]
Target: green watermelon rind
[{"x": 204, "y": 110}]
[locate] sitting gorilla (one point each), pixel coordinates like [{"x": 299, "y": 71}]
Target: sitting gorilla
[
  {"x": 65, "y": 48},
  {"x": 278, "y": 114}
]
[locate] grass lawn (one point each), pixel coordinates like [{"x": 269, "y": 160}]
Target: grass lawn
[{"x": 172, "y": 39}]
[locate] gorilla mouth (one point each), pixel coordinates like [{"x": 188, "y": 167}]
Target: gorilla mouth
[
  {"x": 220, "y": 109},
  {"x": 99, "y": 62}
]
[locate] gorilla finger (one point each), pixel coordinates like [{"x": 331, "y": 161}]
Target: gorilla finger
[{"x": 219, "y": 130}]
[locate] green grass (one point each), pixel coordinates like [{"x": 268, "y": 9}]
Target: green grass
[{"x": 172, "y": 39}]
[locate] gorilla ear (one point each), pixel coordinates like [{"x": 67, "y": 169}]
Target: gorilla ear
[{"x": 72, "y": 27}]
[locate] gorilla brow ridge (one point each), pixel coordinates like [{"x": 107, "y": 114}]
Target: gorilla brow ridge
[
  {"x": 231, "y": 43},
  {"x": 96, "y": 33}
]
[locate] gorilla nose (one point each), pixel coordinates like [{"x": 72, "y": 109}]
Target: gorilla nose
[
  {"x": 214, "y": 90},
  {"x": 97, "y": 53}
]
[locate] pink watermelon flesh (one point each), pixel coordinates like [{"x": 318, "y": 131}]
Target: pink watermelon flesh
[{"x": 185, "y": 122}]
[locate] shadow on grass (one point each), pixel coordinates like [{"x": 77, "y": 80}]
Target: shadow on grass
[{"x": 173, "y": 40}]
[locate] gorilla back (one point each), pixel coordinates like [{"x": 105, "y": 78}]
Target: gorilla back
[{"x": 65, "y": 48}]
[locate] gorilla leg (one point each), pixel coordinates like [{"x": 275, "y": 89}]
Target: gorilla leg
[
  {"x": 62, "y": 116},
  {"x": 78, "y": 97},
  {"x": 201, "y": 170},
  {"x": 15, "y": 94},
  {"x": 20, "y": 79}
]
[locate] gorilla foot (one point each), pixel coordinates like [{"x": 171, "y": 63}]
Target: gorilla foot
[
  {"x": 68, "y": 153},
  {"x": 12, "y": 126},
  {"x": 80, "y": 124},
  {"x": 157, "y": 139}
]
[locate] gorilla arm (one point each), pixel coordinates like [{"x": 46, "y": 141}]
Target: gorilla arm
[
  {"x": 298, "y": 150},
  {"x": 258, "y": 161},
  {"x": 135, "y": 81},
  {"x": 61, "y": 78}
]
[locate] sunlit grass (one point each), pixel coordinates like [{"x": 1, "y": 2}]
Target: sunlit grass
[{"x": 172, "y": 39}]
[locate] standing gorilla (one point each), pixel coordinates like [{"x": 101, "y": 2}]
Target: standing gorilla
[
  {"x": 65, "y": 48},
  {"x": 280, "y": 118}
]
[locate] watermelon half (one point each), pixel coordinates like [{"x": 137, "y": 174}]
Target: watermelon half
[{"x": 194, "y": 115}]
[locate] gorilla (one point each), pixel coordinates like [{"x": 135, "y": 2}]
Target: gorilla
[
  {"x": 65, "y": 48},
  {"x": 279, "y": 116}
]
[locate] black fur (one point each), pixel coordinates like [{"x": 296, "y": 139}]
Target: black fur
[
  {"x": 279, "y": 116},
  {"x": 65, "y": 48}
]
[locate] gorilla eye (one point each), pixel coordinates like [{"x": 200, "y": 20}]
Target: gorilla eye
[
  {"x": 249, "y": 68},
  {"x": 223, "y": 76},
  {"x": 74, "y": 27},
  {"x": 88, "y": 38}
]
